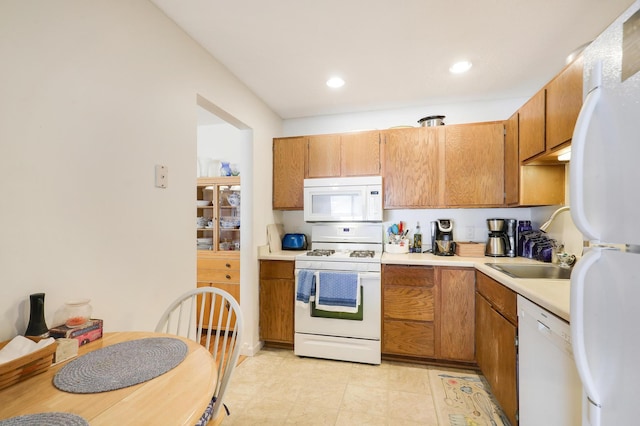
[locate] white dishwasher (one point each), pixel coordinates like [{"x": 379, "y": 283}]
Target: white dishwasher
[{"x": 549, "y": 388}]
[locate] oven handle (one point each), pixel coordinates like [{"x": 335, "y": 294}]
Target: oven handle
[{"x": 361, "y": 274}]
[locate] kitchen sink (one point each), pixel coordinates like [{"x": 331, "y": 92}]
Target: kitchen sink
[{"x": 543, "y": 271}]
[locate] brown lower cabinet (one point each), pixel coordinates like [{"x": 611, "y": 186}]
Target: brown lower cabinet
[
  {"x": 496, "y": 332},
  {"x": 277, "y": 301},
  {"x": 428, "y": 313}
]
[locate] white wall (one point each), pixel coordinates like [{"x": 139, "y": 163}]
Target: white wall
[
  {"x": 224, "y": 142},
  {"x": 94, "y": 94},
  {"x": 469, "y": 112},
  {"x": 468, "y": 224}
]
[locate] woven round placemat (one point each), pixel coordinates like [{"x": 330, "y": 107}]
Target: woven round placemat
[
  {"x": 121, "y": 365},
  {"x": 48, "y": 419}
]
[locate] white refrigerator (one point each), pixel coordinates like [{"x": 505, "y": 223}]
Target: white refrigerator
[{"x": 605, "y": 206}]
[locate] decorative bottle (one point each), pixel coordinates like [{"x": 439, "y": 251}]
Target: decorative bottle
[
  {"x": 37, "y": 326},
  {"x": 524, "y": 227},
  {"x": 417, "y": 239}
]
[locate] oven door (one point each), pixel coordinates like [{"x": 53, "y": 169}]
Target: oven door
[{"x": 345, "y": 325}]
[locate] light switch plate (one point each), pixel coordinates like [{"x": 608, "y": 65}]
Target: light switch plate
[{"x": 162, "y": 176}]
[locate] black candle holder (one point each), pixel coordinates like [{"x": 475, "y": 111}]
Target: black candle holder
[{"x": 37, "y": 326}]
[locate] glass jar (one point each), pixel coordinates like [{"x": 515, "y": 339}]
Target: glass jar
[{"x": 77, "y": 312}]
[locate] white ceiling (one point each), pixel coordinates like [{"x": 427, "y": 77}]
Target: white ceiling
[{"x": 392, "y": 53}]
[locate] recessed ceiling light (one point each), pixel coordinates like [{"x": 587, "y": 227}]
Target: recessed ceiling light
[
  {"x": 335, "y": 82},
  {"x": 460, "y": 67}
]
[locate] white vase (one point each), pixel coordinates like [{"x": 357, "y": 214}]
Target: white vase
[
  {"x": 214, "y": 168},
  {"x": 203, "y": 166}
]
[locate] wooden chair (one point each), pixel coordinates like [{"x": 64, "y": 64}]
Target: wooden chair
[{"x": 213, "y": 318}]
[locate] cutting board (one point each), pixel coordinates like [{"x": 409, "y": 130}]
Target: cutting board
[{"x": 275, "y": 232}]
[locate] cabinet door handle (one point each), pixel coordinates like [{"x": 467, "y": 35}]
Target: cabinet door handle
[
  {"x": 228, "y": 276},
  {"x": 228, "y": 265}
]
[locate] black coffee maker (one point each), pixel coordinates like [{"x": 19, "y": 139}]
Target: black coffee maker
[{"x": 442, "y": 243}]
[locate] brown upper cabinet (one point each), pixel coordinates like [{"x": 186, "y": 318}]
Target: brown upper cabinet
[
  {"x": 455, "y": 165},
  {"x": 360, "y": 154},
  {"x": 324, "y": 156},
  {"x": 474, "y": 164},
  {"x": 548, "y": 118},
  {"x": 564, "y": 100},
  {"x": 297, "y": 158},
  {"x": 529, "y": 185},
  {"x": 289, "y": 166},
  {"x": 347, "y": 154},
  {"x": 411, "y": 167},
  {"x": 532, "y": 128}
]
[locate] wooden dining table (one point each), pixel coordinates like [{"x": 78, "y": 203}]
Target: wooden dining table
[{"x": 177, "y": 397}]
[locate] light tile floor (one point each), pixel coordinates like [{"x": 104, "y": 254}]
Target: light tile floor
[{"x": 276, "y": 387}]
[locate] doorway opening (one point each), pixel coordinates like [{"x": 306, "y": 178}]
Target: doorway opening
[{"x": 222, "y": 138}]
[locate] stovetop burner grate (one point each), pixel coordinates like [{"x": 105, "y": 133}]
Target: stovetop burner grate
[
  {"x": 362, "y": 253},
  {"x": 320, "y": 252}
]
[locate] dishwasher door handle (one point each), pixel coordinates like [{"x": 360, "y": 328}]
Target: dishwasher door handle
[{"x": 543, "y": 328}]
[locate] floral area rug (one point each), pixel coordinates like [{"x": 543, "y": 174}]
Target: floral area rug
[{"x": 464, "y": 399}]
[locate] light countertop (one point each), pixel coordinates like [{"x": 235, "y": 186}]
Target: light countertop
[
  {"x": 552, "y": 295},
  {"x": 264, "y": 254}
]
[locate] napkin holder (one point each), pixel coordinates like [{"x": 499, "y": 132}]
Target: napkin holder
[{"x": 26, "y": 366}]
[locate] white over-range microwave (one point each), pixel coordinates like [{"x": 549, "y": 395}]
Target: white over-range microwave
[{"x": 345, "y": 199}]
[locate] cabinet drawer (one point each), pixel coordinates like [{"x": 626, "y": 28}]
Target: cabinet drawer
[
  {"x": 211, "y": 263},
  {"x": 408, "y": 303},
  {"x": 273, "y": 269},
  {"x": 408, "y": 338},
  {"x": 219, "y": 275},
  {"x": 232, "y": 288},
  {"x": 503, "y": 299},
  {"x": 404, "y": 275}
]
